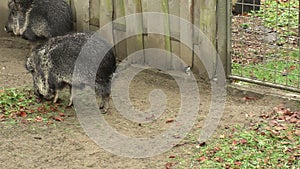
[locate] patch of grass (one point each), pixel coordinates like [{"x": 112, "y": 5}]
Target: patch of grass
[
  {"x": 15, "y": 100},
  {"x": 21, "y": 106},
  {"x": 271, "y": 142},
  {"x": 280, "y": 69},
  {"x": 250, "y": 149},
  {"x": 281, "y": 15}
]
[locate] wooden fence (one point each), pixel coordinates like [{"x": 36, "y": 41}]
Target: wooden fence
[{"x": 211, "y": 16}]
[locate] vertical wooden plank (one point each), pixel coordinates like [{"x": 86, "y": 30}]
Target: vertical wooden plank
[
  {"x": 223, "y": 33},
  {"x": 94, "y": 14},
  {"x": 206, "y": 22},
  {"x": 106, "y": 16},
  {"x": 186, "y": 32},
  {"x": 174, "y": 10},
  {"x": 135, "y": 26},
  {"x": 198, "y": 40},
  {"x": 119, "y": 29},
  {"x": 208, "y": 18},
  {"x": 157, "y": 41},
  {"x": 82, "y": 15},
  {"x": 72, "y": 5},
  {"x": 3, "y": 17}
]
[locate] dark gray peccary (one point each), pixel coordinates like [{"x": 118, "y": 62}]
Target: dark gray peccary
[
  {"x": 52, "y": 64},
  {"x": 39, "y": 19},
  {"x": 245, "y": 6}
]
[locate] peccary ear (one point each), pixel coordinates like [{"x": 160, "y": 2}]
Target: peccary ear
[
  {"x": 29, "y": 65},
  {"x": 17, "y": 5}
]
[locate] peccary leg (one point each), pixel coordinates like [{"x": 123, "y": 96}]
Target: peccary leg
[
  {"x": 71, "y": 98},
  {"x": 104, "y": 103},
  {"x": 55, "y": 96}
]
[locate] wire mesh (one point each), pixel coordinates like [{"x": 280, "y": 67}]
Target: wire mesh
[{"x": 265, "y": 42}]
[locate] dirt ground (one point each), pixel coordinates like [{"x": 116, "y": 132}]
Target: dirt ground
[{"x": 66, "y": 145}]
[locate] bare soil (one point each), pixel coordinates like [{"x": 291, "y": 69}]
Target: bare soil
[{"x": 65, "y": 144}]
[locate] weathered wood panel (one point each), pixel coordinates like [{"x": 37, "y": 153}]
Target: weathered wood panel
[
  {"x": 134, "y": 26},
  {"x": 3, "y": 17},
  {"x": 82, "y": 15},
  {"x": 186, "y": 32},
  {"x": 105, "y": 17},
  {"x": 206, "y": 22},
  {"x": 119, "y": 29},
  {"x": 92, "y": 15},
  {"x": 174, "y": 10},
  {"x": 154, "y": 24}
]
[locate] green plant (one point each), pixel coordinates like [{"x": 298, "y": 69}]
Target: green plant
[
  {"x": 20, "y": 105},
  {"x": 15, "y": 100},
  {"x": 281, "y": 16}
]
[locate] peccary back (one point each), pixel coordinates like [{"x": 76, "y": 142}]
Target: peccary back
[
  {"x": 52, "y": 64},
  {"x": 39, "y": 19}
]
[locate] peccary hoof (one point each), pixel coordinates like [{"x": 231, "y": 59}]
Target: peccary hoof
[{"x": 103, "y": 110}]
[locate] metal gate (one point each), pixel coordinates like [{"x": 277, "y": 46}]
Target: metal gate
[{"x": 265, "y": 43}]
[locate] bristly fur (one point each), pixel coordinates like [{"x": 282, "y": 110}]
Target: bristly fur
[
  {"x": 52, "y": 64},
  {"x": 39, "y": 19}
]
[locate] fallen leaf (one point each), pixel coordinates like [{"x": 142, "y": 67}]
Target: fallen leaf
[
  {"x": 202, "y": 144},
  {"x": 23, "y": 114},
  {"x": 222, "y": 136},
  {"x": 58, "y": 119},
  {"x": 38, "y": 119},
  {"x": 234, "y": 142},
  {"x": 293, "y": 120},
  {"x": 38, "y": 138},
  {"x": 273, "y": 123},
  {"x": 266, "y": 160},
  {"x": 238, "y": 163},
  {"x": 279, "y": 128},
  {"x": 281, "y": 118},
  {"x": 297, "y": 132},
  {"x": 169, "y": 165},
  {"x": 2, "y": 116},
  {"x": 219, "y": 160},
  {"x": 275, "y": 132},
  {"x": 62, "y": 115},
  {"x": 246, "y": 98},
  {"x": 243, "y": 141},
  {"x": 170, "y": 121},
  {"x": 201, "y": 159},
  {"x": 288, "y": 112}
]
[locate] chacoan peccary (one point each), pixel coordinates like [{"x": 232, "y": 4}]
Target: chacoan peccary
[
  {"x": 39, "y": 19},
  {"x": 52, "y": 64}
]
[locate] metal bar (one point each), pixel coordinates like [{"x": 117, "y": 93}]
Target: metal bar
[
  {"x": 292, "y": 89},
  {"x": 229, "y": 38}
]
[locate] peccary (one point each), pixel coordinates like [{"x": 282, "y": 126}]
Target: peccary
[
  {"x": 52, "y": 64},
  {"x": 245, "y": 6},
  {"x": 39, "y": 19}
]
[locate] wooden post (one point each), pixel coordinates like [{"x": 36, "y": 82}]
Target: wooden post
[
  {"x": 82, "y": 15},
  {"x": 119, "y": 29},
  {"x": 157, "y": 41},
  {"x": 135, "y": 26},
  {"x": 174, "y": 10},
  {"x": 186, "y": 32},
  {"x": 106, "y": 17}
]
